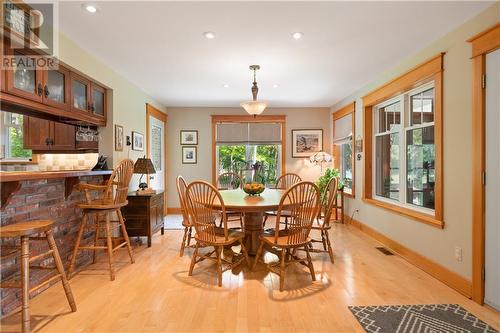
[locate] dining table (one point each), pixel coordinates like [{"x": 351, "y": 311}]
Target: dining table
[{"x": 253, "y": 208}]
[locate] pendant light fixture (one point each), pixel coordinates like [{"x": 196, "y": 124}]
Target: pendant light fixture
[{"x": 254, "y": 107}]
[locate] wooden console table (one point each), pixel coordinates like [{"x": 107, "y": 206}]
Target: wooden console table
[{"x": 144, "y": 214}]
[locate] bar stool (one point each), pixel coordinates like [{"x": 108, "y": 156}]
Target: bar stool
[
  {"x": 27, "y": 231},
  {"x": 113, "y": 196}
]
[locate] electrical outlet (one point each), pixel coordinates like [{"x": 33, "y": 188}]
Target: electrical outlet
[{"x": 458, "y": 253}]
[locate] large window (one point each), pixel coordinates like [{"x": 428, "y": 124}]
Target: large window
[
  {"x": 249, "y": 147},
  {"x": 11, "y": 138},
  {"x": 404, "y": 149},
  {"x": 343, "y": 136},
  {"x": 403, "y": 144}
]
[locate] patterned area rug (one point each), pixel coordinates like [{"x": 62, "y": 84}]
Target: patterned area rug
[{"x": 432, "y": 318}]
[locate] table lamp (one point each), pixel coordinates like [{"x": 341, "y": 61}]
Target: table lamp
[
  {"x": 144, "y": 166},
  {"x": 320, "y": 158}
]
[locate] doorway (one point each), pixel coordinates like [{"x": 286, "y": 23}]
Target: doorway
[{"x": 156, "y": 147}]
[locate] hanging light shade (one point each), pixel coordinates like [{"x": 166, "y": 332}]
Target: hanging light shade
[{"x": 254, "y": 107}]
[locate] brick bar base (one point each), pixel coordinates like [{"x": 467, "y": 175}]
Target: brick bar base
[{"x": 44, "y": 199}]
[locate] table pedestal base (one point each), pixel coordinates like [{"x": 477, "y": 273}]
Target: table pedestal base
[{"x": 253, "y": 229}]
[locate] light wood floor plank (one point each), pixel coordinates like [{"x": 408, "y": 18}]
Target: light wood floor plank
[{"x": 156, "y": 295}]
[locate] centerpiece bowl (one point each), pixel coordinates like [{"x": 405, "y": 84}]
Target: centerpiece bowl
[{"x": 253, "y": 188}]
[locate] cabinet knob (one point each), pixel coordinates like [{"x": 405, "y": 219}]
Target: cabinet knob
[
  {"x": 46, "y": 91},
  {"x": 47, "y": 141},
  {"x": 40, "y": 89}
]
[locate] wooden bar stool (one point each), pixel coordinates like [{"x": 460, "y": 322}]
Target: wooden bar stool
[
  {"x": 28, "y": 231},
  {"x": 113, "y": 196}
]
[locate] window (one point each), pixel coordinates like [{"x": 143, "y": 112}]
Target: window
[
  {"x": 403, "y": 144},
  {"x": 249, "y": 147},
  {"x": 11, "y": 138},
  {"x": 343, "y": 133},
  {"x": 404, "y": 149}
]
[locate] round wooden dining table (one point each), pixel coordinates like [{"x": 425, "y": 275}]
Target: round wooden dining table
[{"x": 253, "y": 208}]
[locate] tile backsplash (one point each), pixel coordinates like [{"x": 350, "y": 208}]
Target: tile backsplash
[{"x": 56, "y": 162}]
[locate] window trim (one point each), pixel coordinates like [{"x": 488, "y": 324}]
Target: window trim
[
  {"x": 346, "y": 110},
  {"x": 247, "y": 119},
  {"x": 431, "y": 70}
]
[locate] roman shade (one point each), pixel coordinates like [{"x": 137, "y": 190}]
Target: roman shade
[
  {"x": 248, "y": 133},
  {"x": 342, "y": 130}
]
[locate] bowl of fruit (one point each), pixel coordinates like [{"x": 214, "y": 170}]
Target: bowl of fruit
[{"x": 253, "y": 188}]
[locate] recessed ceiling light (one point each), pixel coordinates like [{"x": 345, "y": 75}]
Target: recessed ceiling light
[
  {"x": 226, "y": 85},
  {"x": 90, "y": 8},
  {"x": 297, "y": 35},
  {"x": 276, "y": 85},
  {"x": 209, "y": 35}
]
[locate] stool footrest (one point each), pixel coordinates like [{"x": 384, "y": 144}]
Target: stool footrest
[
  {"x": 49, "y": 280},
  {"x": 119, "y": 246},
  {"x": 92, "y": 247},
  {"x": 41, "y": 255}
]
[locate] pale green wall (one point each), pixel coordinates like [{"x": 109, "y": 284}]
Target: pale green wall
[
  {"x": 436, "y": 244},
  {"x": 127, "y": 101}
]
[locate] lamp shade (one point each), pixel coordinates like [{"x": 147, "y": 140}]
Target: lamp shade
[
  {"x": 144, "y": 166},
  {"x": 320, "y": 157},
  {"x": 254, "y": 107}
]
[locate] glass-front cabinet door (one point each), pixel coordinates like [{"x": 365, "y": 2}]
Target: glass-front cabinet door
[
  {"x": 98, "y": 100},
  {"x": 80, "y": 93},
  {"x": 56, "y": 90},
  {"x": 23, "y": 78}
]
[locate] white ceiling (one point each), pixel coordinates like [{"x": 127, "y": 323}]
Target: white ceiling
[{"x": 160, "y": 46}]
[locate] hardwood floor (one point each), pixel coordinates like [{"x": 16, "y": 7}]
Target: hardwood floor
[{"x": 156, "y": 295}]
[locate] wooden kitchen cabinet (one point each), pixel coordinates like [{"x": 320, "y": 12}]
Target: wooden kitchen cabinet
[
  {"x": 42, "y": 134},
  {"x": 23, "y": 79},
  {"x": 57, "y": 87},
  {"x": 144, "y": 214}
]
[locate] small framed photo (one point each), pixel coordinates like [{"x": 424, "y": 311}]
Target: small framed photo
[
  {"x": 306, "y": 142},
  {"x": 137, "y": 141},
  {"x": 189, "y": 155},
  {"x": 118, "y": 137},
  {"x": 189, "y": 137}
]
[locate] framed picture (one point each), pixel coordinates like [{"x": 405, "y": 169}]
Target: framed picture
[
  {"x": 137, "y": 141},
  {"x": 118, "y": 137},
  {"x": 189, "y": 137},
  {"x": 306, "y": 142},
  {"x": 189, "y": 155}
]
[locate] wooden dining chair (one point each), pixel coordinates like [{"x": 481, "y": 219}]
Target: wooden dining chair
[
  {"x": 186, "y": 222},
  {"x": 284, "y": 182},
  {"x": 230, "y": 181},
  {"x": 322, "y": 224},
  {"x": 201, "y": 197},
  {"x": 111, "y": 197},
  {"x": 302, "y": 201}
]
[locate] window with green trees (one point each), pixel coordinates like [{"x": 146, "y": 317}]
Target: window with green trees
[{"x": 11, "y": 125}]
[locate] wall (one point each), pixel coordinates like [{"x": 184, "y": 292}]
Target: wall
[
  {"x": 126, "y": 104},
  {"x": 429, "y": 241},
  {"x": 200, "y": 119}
]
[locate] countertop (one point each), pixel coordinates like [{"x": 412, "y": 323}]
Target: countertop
[{"x": 12, "y": 176}]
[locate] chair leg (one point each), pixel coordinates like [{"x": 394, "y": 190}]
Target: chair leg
[
  {"x": 241, "y": 221},
  {"x": 218, "y": 251},
  {"x": 60, "y": 269},
  {"x": 77, "y": 245},
  {"x": 189, "y": 236},
  {"x": 245, "y": 253},
  {"x": 310, "y": 264},
  {"x": 110, "y": 248},
  {"x": 286, "y": 222},
  {"x": 282, "y": 270},
  {"x": 265, "y": 220},
  {"x": 184, "y": 238},
  {"x": 193, "y": 259},
  {"x": 257, "y": 256},
  {"x": 329, "y": 244},
  {"x": 323, "y": 239},
  {"x": 96, "y": 238},
  {"x": 125, "y": 235},
  {"x": 25, "y": 282}
]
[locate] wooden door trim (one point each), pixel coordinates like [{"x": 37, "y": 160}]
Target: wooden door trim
[
  {"x": 482, "y": 44},
  {"x": 340, "y": 113},
  {"x": 156, "y": 113}
]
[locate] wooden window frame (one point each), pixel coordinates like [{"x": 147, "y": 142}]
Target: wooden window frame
[
  {"x": 346, "y": 110},
  {"x": 482, "y": 44},
  {"x": 247, "y": 119},
  {"x": 431, "y": 70}
]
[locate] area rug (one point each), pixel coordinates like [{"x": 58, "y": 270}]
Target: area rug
[{"x": 430, "y": 318}]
